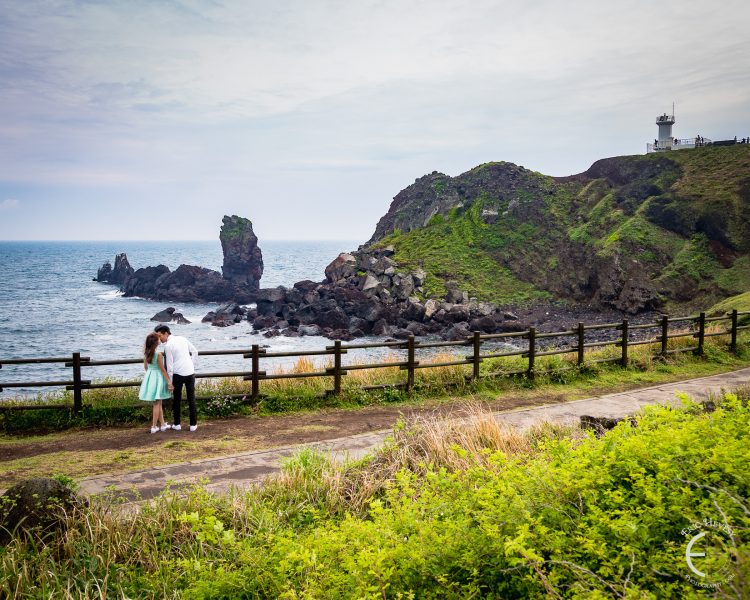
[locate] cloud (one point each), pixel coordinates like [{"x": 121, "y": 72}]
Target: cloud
[
  {"x": 231, "y": 103},
  {"x": 9, "y": 204}
]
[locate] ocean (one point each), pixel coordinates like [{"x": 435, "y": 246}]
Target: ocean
[{"x": 50, "y": 306}]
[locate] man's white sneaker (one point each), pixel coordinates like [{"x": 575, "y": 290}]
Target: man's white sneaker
[
  {"x": 165, "y": 427},
  {"x": 154, "y": 429},
  {"x": 193, "y": 427},
  {"x": 177, "y": 427}
]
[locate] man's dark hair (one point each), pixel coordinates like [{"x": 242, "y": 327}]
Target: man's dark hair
[{"x": 162, "y": 329}]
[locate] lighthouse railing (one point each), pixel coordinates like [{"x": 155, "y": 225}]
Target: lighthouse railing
[{"x": 677, "y": 144}]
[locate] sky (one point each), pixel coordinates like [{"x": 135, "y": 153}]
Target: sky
[{"x": 151, "y": 119}]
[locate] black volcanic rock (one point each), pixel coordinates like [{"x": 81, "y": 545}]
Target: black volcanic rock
[
  {"x": 243, "y": 260},
  {"x": 118, "y": 275},
  {"x": 37, "y": 510},
  {"x": 189, "y": 283},
  {"x": 243, "y": 267},
  {"x": 142, "y": 283},
  {"x": 169, "y": 315},
  {"x": 224, "y": 316},
  {"x": 104, "y": 273}
]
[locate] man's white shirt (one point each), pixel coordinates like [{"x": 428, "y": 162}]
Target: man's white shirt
[{"x": 179, "y": 353}]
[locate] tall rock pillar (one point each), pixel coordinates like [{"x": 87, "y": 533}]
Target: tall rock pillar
[{"x": 243, "y": 260}]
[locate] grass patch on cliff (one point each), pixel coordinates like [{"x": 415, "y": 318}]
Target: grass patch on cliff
[
  {"x": 460, "y": 247},
  {"x": 741, "y": 302},
  {"x": 444, "y": 509}
]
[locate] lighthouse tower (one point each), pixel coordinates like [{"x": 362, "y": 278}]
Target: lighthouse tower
[
  {"x": 666, "y": 142},
  {"x": 665, "y": 123}
]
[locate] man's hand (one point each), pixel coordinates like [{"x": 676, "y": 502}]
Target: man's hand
[{"x": 170, "y": 387}]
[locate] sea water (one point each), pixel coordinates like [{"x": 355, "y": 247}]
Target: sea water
[{"x": 51, "y": 307}]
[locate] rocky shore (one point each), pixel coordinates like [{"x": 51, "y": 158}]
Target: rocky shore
[{"x": 365, "y": 292}]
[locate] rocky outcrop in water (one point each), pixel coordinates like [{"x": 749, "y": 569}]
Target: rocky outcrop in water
[
  {"x": 118, "y": 275},
  {"x": 224, "y": 316},
  {"x": 243, "y": 260},
  {"x": 170, "y": 315},
  {"x": 243, "y": 267}
]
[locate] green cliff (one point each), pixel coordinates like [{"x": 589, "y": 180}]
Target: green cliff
[{"x": 668, "y": 230}]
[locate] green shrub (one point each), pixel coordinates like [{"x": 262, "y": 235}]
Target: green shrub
[{"x": 554, "y": 516}]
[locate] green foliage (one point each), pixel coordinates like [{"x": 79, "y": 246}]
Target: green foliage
[
  {"x": 695, "y": 260},
  {"x": 741, "y": 302},
  {"x": 223, "y": 406},
  {"x": 735, "y": 279},
  {"x": 570, "y": 516},
  {"x": 236, "y": 229},
  {"x": 436, "y": 219},
  {"x": 462, "y": 247},
  {"x": 68, "y": 482}
]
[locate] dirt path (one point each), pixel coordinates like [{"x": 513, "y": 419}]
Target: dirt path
[
  {"x": 116, "y": 451},
  {"x": 248, "y": 468},
  {"x": 260, "y": 432}
]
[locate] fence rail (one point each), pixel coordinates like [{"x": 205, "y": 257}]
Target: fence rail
[{"x": 578, "y": 345}]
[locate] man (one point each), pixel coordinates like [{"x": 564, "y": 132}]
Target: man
[{"x": 179, "y": 353}]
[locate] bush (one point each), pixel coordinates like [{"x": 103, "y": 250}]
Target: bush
[{"x": 443, "y": 510}]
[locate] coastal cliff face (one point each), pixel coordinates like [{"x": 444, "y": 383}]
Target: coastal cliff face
[{"x": 634, "y": 232}]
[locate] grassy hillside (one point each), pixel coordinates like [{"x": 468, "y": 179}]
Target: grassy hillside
[{"x": 660, "y": 230}]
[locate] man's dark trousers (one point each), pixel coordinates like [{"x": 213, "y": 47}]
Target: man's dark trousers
[{"x": 189, "y": 382}]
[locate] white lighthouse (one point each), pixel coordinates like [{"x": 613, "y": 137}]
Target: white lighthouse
[
  {"x": 666, "y": 141},
  {"x": 665, "y": 123}
]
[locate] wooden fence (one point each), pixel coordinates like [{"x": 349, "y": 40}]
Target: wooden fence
[{"x": 574, "y": 342}]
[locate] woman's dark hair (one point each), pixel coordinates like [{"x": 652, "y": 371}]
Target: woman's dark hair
[{"x": 149, "y": 349}]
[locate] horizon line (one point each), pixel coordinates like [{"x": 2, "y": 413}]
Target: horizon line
[{"x": 180, "y": 240}]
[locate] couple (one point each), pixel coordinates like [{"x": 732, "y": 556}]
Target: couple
[{"x": 166, "y": 373}]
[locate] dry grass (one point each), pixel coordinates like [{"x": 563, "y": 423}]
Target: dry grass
[{"x": 465, "y": 439}]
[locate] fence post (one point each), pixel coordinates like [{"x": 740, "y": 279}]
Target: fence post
[
  {"x": 733, "y": 342},
  {"x": 532, "y": 352},
  {"x": 624, "y": 358},
  {"x": 581, "y": 347},
  {"x": 477, "y": 350},
  {"x": 701, "y": 333},
  {"x": 664, "y": 334},
  {"x": 337, "y": 367},
  {"x": 77, "y": 391},
  {"x": 409, "y": 364},
  {"x": 256, "y": 367}
]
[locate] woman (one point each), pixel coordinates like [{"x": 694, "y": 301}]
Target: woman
[{"x": 154, "y": 387}]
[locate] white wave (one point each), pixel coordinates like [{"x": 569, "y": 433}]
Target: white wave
[{"x": 110, "y": 295}]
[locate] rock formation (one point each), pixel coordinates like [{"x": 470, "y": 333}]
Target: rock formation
[
  {"x": 367, "y": 293},
  {"x": 632, "y": 232},
  {"x": 119, "y": 274},
  {"x": 243, "y": 267},
  {"x": 224, "y": 316},
  {"x": 243, "y": 260},
  {"x": 170, "y": 315},
  {"x": 36, "y": 508}
]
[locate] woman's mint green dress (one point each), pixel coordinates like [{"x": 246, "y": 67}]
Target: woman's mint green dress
[{"x": 154, "y": 386}]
